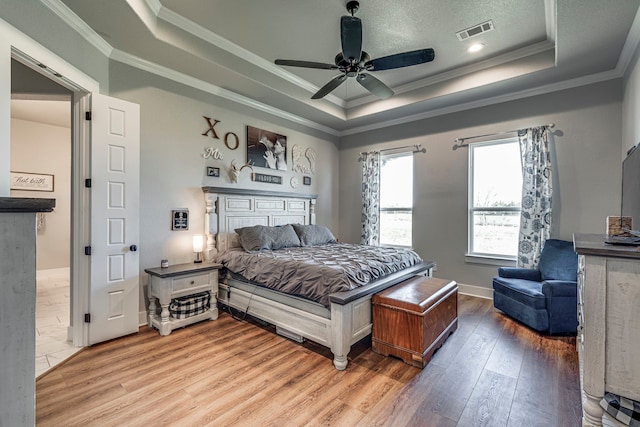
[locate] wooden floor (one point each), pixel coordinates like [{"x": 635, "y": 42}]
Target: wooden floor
[{"x": 490, "y": 372}]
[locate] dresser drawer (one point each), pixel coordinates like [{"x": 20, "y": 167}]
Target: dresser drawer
[{"x": 190, "y": 282}]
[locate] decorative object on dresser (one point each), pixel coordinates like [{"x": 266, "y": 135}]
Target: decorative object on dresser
[
  {"x": 543, "y": 298},
  {"x": 609, "y": 321},
  {"x": 412, "y": 319},
  {"x": 171, "y": 284},
  {"x": 346, "y": 317}
]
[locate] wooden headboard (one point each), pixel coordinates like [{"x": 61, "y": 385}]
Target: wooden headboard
[{"x": 231, "y": 208}]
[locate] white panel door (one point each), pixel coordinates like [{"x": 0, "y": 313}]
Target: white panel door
[{"x": 115, "y": 205}]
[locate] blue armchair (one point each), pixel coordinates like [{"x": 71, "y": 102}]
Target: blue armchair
[{"x": 545, "y": 298}]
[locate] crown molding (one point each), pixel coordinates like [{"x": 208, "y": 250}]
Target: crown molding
[
  {"x": 168, "y": 73},
  {"x": 540, "y": 90},
  {"x": 630, "y": 45},
  {"x": 170, "y": 17},
  {"x": 524, "y": 52},
  {"x": 81, "y": 27}
]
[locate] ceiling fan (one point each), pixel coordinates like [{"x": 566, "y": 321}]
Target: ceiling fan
[{"x": 352, "y": 61}]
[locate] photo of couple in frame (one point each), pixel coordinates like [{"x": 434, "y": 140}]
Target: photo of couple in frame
[{"x": 266, "y": 149}]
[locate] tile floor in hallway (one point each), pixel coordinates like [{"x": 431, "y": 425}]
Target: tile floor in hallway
[{"x": 52, "y": 319}]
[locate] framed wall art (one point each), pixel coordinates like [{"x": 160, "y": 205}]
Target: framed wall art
[
  {"x": 180, "y": 219},
  {"x": 266, "y": 149},
  {"x": 211, "y": 171},
  {"x": 31, "y": 181}
]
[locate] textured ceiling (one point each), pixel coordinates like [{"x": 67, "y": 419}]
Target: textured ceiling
[{"x": 232, "y": 45}]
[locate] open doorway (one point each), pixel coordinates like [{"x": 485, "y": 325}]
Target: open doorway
[{"x": 41, "y": 150}]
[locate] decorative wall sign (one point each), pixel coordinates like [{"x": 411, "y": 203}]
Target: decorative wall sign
[
  {"x": 214, "y": 153},
  {"x": 300, "y": 164},
  {"x": 271, "y": 179},
  {"x": 227, "y": 136},
  {"x": 31, "y": 181},
  {"x": 213, "y": 171},
  {"x": 266, "y": 149},
  {"x": 180, "y": 219},
  {"x": 306, "y": 180}
]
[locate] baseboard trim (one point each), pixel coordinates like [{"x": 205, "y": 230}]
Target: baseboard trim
[
  {"x": 142, "y": 318},
  {"x": 475, "y": 291}
]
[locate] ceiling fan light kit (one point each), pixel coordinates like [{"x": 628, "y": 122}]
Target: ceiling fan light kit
[{"x": 352, "y": 61}]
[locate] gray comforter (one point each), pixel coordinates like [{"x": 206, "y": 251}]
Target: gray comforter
[{"x": 314, "y": 272}]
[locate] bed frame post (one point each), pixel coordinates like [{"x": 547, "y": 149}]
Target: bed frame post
[
  {"x": 312, "y": 211},
  {"x": 210, "y": 224},
  {"x": 341, "y": 327}
]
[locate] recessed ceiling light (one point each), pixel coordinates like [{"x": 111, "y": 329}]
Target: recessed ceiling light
[{"x": 475, "y": 47}]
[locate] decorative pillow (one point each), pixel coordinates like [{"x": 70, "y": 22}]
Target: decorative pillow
[
  {"x": 255, "y": 238},
  {"x": 284, "y": 236},
  {"x": 314, "y": 234},
  {"x": 260, "y": 237}
]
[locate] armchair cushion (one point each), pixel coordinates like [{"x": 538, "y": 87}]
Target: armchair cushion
[
  {"x": 520, "y": 273},
  {"x": 558, "y": 261},
  {"x": 527, "y": 292}
]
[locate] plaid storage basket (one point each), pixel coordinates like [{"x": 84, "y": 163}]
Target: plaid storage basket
[{"x": 190, "y": 305}]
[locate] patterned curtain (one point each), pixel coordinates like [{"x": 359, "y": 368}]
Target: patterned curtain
[
  {"x": 370, "y": 198},
  {"x": 537, "y": 189}
]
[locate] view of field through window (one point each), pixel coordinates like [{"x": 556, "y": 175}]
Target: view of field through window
[
  {"x": 497, "y": 188},
  {"x": 396, "y": 200}
]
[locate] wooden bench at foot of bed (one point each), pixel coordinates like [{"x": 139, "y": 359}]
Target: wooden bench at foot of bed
[{"x": 412, "y": 319}]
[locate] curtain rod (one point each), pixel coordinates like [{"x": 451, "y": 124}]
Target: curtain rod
[
  {"x": 416, "y": 149},
  {"x": 459, "y": 142}
]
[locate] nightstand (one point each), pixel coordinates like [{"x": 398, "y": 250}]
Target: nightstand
[{"x": 179, "y": 281}]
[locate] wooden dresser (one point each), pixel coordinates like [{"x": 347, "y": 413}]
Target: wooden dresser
[{"x": 608, "y": 323}]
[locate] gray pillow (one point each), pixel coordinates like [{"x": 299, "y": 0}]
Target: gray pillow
[
  {"x": 314, "y": 234},
  {"x": 254, "y": 238},
  {"x": 284, "y": 237},
  {"x": 260, "y": 237}
]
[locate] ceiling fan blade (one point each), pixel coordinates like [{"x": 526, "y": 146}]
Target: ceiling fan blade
[
  {"x": 326, "y": 89},
  {"x": 351, "y": 37},
  {"x": 374, "y": 86},
  {"x": 399, "y": 60},
  {"x": 305, "y": 64}
]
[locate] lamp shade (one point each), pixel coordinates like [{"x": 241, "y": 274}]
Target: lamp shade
[{"x": 198, "y": 243}]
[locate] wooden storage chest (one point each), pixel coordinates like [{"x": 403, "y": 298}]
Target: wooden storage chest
[{"x": 412, "y": 319}]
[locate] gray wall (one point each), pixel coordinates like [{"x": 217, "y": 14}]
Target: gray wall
[
  {"x": 586, "y": 149},
  {"x": 172, "y": 169}
]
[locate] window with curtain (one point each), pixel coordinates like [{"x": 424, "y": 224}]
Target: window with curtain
[
  {"x": 396, "y": 199},
  {"x": 495, "y": 193}
]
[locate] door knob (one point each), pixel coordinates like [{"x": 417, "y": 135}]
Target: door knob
[{"x": 133, "y": 248}]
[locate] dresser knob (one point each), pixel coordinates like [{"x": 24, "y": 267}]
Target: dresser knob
[{"x": 193, "y": 282}]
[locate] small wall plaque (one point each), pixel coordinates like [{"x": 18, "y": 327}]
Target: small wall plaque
[
  {"x": 306, "y": 180},
  {"x": 271, "y": 179},
  {"x": 180, "y": 219},
  {"x": 211, "y": 171},
  {"x": 31, "y": 181}
]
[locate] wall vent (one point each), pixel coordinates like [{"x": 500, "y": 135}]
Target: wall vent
[{"x": 475, "y": 30}]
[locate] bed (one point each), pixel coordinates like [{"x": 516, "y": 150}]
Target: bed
[{"x": 337, "y": 320}]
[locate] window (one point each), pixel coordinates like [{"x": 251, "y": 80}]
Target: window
[
  {"x": 495, "y": 189},
  {"x": 396, "y": 199}
]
